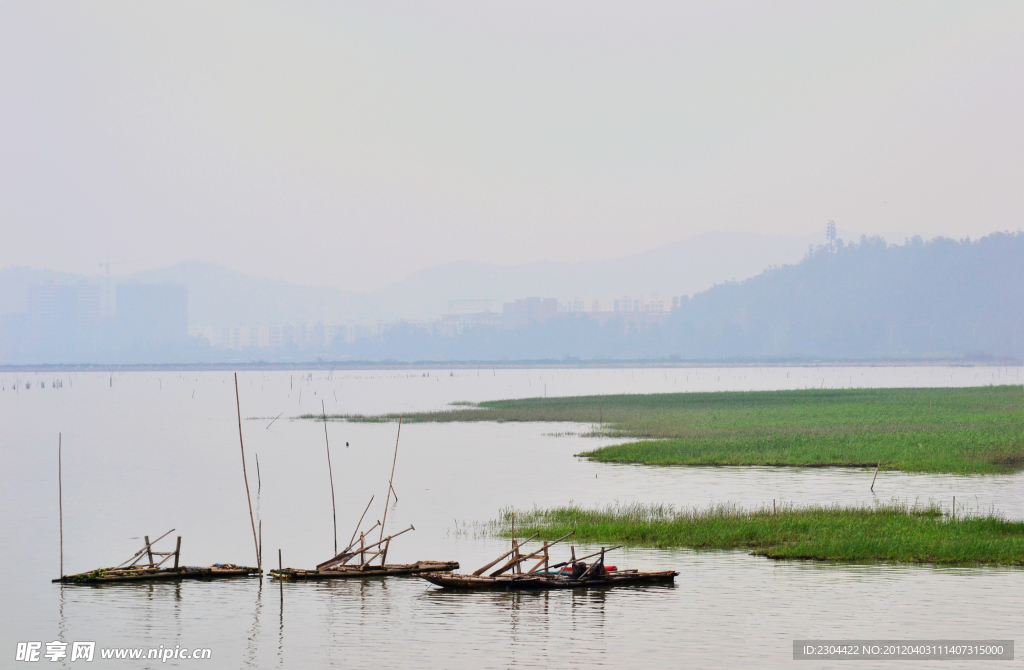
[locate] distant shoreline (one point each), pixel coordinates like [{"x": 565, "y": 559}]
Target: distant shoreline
[{"x": 514, "y": 365}]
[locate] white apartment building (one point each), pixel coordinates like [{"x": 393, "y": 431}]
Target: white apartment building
[{"x": 619, "y": 303}]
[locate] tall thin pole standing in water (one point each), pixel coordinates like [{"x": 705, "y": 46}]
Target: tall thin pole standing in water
[
  {"x": 334, "y": 510},
  {"x": 248, "y": 496},
  {"x": 390, "y": 481},
  {"x": 60, "y": 503}
]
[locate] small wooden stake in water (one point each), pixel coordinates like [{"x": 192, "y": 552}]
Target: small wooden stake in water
[
  {"x": 60, "y": 503},
  {"x": 248, "y": 496},
  {"x": 773, "y": 506},
  {"x": 280, "y": 564},
  {"x": 875, "y": 477},
  {"x": 954, "y": 507}
]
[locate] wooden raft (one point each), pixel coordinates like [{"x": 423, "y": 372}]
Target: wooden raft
[
  {"x": 571, "y": 574},
  {"x": 103, "y": 575},
  {"x": 356, "y": 572},
  {"x": 356, "y": 561},
  {"x": 135, "y": 569}
]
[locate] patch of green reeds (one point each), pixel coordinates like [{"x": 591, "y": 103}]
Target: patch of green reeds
[
  {"x": 961, "y": 430},
  {"x": 892, "y": 532}
]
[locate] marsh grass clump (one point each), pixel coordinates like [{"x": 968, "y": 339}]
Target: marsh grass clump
[
  {"x": 963, "y": 431},
  {"x": 893, "y": 532}
]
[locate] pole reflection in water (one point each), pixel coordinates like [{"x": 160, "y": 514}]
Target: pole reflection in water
[
  {"x": 280, "y": 629},
  {"x": 62, "y": 622},
  {"x": 254, "y": 633}
]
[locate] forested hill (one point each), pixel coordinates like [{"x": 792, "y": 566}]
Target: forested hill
[
  {"x": 867, "y": 299},
  {"x": 943, "y": 298}
]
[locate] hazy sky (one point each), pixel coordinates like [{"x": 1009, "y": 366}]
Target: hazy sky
[{"x": 350, "y": 145}]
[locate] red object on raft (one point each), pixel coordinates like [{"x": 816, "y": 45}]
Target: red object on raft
[{"x": 568, "y": 569}]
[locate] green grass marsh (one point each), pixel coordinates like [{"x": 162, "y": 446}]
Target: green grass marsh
[
  {"x": 889, "y": 533},
  {"x": 959, "y": 430}
]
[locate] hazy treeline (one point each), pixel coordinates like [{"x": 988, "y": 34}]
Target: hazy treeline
[
  {"x": 861, "y": 300},
  {"x": 868, "y": 299},
  {"x": 942, "y": 298}
]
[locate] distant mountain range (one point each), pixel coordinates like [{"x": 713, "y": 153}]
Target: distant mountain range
[{"x": 221, "y": 297}]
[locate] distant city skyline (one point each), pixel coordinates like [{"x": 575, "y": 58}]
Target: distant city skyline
[{"x": 224, "y": 298}]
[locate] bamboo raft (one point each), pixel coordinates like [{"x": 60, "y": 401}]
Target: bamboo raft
[
  {"x": 356, "y": 572},
  {"x": 104, "y": 575},
  {"x": 134, "y": 570},
  {"x": 339, "y": 566},
  {"x": 543, "y": 576}
]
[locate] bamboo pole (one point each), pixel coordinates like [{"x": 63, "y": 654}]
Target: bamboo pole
[
  {"x": 519, "y": 558},
  {"x": 500, "y": 558},
  {"x": 347, "y": 551},
  {"x": 248, "y": 496},
  {"x": 391, "y": 481},
  {"x": 353, "y": 538},
  {"x": 137, "y": 555},
  {"x": 362, "y": 535},
  {"x": 875, "y": 477},
  {"x": 334, "y": 510},
  {"x": 272, "y": 422},
  {"x": 543, "y": 561},
  {"x": 177, "y": 553},
  {"x": 600, "y": 562},
  {"x": 515, "y": 543},
  {"x": 60, "y": 500},
  {"x": 345, "y": 555}
]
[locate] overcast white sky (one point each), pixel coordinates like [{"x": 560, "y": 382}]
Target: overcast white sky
[{"x": 350, "y": 145}]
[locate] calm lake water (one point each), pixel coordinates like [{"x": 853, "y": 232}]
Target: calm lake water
[{"x": 147, "y": 452}]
